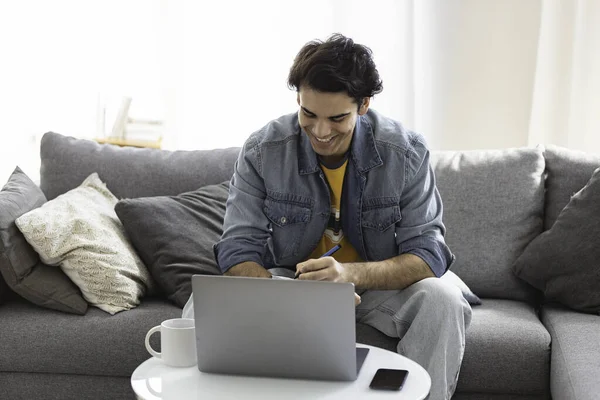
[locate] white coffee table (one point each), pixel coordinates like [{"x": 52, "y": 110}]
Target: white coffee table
[{"x": 155, "y": 380}]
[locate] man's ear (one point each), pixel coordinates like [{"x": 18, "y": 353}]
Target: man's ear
[
  {"x": 298, "y": 97},
  {"x": 364, "y": 107}
]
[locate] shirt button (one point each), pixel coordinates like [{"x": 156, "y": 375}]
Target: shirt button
[{"x": 283, "y": 220}]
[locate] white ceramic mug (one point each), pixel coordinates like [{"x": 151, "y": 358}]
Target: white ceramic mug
[{"x": 177, "y": 342}]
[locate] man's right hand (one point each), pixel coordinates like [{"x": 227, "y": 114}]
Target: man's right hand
[
  {"x": 248, "y": 269},
  {"x": 356, "y": 299}
]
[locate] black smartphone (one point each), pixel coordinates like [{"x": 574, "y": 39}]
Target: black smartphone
[{"x": 389, "y": 379}]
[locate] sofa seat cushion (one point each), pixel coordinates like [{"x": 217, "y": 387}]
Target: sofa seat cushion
[
  {"x": 507, "y": 350},
  {"x": 27, "y": 386},
  {"x": 575, "y": 371},
  {"x": 39, "y": 340}
]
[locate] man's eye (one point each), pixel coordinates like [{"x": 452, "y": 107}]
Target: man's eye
[
  {"x": 338, "y": 119},
  {"x": 307, "y": 114}
]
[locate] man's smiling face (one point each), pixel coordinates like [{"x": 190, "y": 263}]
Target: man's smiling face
[{"x": 328, "y": 119}]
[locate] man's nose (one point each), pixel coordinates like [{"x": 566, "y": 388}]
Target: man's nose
[{"x": 322, "y": 129}]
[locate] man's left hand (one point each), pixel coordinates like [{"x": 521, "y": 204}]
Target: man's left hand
[{"x": 321, "y": 269}]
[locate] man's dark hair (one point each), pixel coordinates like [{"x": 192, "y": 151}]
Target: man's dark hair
[{"x": 336, "y": 65}]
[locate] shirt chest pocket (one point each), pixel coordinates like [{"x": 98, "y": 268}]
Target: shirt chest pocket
[
  {"x": 287, "y": 222},
  {"x": 381, "y": 218},
  {"x": 378, "y": 222}
]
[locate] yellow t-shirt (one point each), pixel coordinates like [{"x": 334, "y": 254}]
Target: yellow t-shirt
[{"x": 333, "y": 234}]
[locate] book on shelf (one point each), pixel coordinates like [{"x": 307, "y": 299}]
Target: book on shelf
[
  {"x": 121, "y": 119},
  {"x": 143, "y": 131},
  {"x": 127, "y": 130}
]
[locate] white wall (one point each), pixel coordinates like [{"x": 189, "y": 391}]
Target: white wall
[{"x": 56, "y": 56}]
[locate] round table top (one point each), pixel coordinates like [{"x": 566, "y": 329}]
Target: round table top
[{"x": 153, "y": 380}]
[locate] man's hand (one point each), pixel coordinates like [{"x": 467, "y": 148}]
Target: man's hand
[{"x": 323, "y": 269}]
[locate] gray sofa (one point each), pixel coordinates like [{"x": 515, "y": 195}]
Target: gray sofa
[{"x": 495, "y": 203}]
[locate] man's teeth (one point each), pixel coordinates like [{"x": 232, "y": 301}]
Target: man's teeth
[{"x": 324, "y": 140}]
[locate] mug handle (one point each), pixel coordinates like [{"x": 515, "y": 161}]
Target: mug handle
[{"x": 148, "y": 347}]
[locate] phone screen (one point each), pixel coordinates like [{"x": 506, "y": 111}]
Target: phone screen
[{"x": 389, "y": 379}]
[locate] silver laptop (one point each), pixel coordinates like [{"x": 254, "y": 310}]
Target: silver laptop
[{"x": 276, "y": 328}]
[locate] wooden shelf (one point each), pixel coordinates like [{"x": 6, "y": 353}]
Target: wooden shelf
[{"x": 131, "y": 143}]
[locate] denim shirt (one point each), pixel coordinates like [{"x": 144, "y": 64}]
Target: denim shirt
[{"x": 279, "y": 201}]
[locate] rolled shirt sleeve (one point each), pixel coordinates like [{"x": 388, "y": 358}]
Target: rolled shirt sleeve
[
  {"x": 421, "y": 231},
  {"x": 245, "y": 227}
]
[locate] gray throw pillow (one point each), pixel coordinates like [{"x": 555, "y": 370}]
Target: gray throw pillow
[
  {"x": 174, "y": 235},
  {"x": 564, "y": 262},
  {"x": 20, "y": 265},
  {"x": 469, "y": 296}
]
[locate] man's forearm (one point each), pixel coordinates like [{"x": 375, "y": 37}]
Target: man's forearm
[
  {"x": 250, "y": 269},
  {"x": 394, "y": 273}
]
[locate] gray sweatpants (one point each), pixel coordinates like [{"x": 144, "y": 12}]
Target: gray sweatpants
[{"x": 430, "y": 318}]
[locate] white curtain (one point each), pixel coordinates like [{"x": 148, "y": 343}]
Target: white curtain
[
  {"x": 467, "y": 74},
  {"x": 566, "y": 95}
]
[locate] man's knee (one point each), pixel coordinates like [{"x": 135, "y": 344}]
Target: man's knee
[
  {"x": 442, "y": 294},
  {"x": 438, "y": 288}
]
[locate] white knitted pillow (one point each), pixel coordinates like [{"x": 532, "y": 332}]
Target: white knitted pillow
[{"x": 81, "y": 232}]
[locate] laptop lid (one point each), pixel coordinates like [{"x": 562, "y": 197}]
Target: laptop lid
[{"x": 275, "y": 328}]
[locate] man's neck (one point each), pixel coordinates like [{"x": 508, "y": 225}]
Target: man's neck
[{"x": 333, "y": 162}]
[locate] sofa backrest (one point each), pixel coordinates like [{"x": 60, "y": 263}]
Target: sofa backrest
[
  {"x": 493, "y": 200},
  {"x": 493, "y": 207},
  {"x": 129, "y": 172},
  {"x": 567, "y": 172}
]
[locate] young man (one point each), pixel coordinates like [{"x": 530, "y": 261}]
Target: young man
[{"x": 339, "y": 173}]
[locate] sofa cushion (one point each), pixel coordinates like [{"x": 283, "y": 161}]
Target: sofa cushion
[
  {"x": 493, "y": 207},
  {"x": 563, "y": 262},
  {"x": 129, "y": 172},
  {"x": 47, "y": 341},
  {"x": 4, "y": 290},
  {"x": 575, "y": 372},
  {"x": 26, "y": 386},
  {"x": 497, "y": 396},
  {"x": 20, "y": 265},
  {"x": 507, "y": 350},
  {"x": 80, "y": 231},
  {"x": 567, "y": 172},
  {"x": 174, "y": 235}
]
